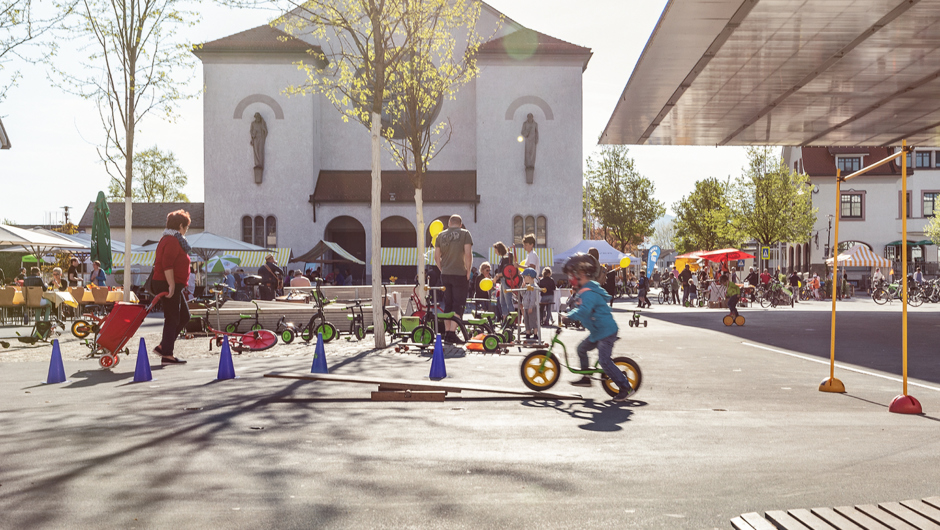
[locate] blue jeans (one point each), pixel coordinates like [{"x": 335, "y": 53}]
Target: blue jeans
[
  {"x": 506, "y": 303},
  {"x": 604, "y": 348}
]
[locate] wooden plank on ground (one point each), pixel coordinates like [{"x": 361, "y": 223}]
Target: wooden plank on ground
[
  {"x": 933, "y": 501},
  {"x": 408, "y": 395},
  {"x": 739, "y": 524},
  {"x": 830, "y": 516},
  {"x": 924, "y": 509},
  {"x": 757, "y": 522},
  {"x": 884, "y": 517},
  {"x": 859, "y": 518},
  {"x": 427, "y": 385},
  {"x": 808, "y": 519},
  {"x": 784, "y": 521},
  {"x": 395, "y": 386},
  {"x": 909, "y": 516}
]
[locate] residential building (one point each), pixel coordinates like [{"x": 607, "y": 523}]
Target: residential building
[{"x": 149, "y": 219}]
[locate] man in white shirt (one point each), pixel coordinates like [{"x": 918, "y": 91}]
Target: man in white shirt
[
  {"x": 299, "y": 280},
  {"x": 531, "y": 258}
]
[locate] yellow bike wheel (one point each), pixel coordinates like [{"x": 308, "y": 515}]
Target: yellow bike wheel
[
  {"x": 540, "y": 371},
  {"x": 630, "y": 369},
  {"x": 728, "y": 320}
]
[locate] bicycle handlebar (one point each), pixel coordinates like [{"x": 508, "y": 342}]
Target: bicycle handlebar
[{"x": 524, "y": 289}]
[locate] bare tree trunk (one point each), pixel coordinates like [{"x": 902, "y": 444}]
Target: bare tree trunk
[
  {"x": 128, "y": 194},
  {"x": 378, "y": 323},
  {"x": 422, "y": 243}
]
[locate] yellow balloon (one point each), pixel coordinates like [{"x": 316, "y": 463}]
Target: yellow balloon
[
  {"x": 436, "y": 228},
  {"x": 434, "y": 240},
  {"x": 624, "y": 262},
  {"x": 486, "y": 284}
]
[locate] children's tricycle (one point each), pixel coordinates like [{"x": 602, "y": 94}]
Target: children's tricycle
[{"x": 634, "y": 321}]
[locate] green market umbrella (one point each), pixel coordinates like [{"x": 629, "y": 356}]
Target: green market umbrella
[
  {"x": 101, "y": 234},
  {"x": 221, "y": 263}
]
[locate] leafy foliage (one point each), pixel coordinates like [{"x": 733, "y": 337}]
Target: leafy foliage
[
  {"x": 932, "y": 230},
  {"x": 21, "y": 28},
  {"x": 135, "y": 66},
  {"x": 158, "y": 178},
  {"x": 621, "y": 199},
  {"x": 703, "y": 219},
  {"x": 770, "y": 203}
]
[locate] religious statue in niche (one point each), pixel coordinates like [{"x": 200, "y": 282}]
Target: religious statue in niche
[
  {"x": 530, "y": 135},
  {"x": 259, "y": 132}
]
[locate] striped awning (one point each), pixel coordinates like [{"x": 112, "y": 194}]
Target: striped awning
[
  {"x": 249, "y": 258},
  {"x": 860, "y": 256},
  {"x": 546, "y": 256},
  {"x": 405, "y": 256},
  {"x": 137, "y": 258}
]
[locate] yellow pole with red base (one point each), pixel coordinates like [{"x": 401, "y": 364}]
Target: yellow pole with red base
[{"x": 904, "y": 404}]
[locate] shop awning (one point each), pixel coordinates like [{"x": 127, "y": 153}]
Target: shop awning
[
  {"x": 405, "y": 256},
  {"x": 860, "y": 256},
  {"x": 898, "y": 243}
]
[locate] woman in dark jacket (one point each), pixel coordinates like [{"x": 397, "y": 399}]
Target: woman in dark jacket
[{"x": 170, "y": 275}]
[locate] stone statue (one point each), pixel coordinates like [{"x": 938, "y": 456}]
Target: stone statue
[
  {"x": 530, "y": 132},
  {"x": 259, "y": 132}
]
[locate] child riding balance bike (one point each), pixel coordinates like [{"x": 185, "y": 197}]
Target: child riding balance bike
[{"x": 590, "y": 307}]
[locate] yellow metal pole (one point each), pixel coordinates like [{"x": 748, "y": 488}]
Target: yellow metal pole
[
  {"x": 904, "y": 285},
  {"x": 832, "y": 384},
  {"x": 904, "y": 404}
]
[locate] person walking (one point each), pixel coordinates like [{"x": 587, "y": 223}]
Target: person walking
[
  {"x": 170, "y": 275},
  {"x": 454, "y": 256},
  {"x": 795, "y": 285},
  {"x": 507, "y": 264},
  {"x": 548, "y": 296},
  {"x": 685, "y": 277},
  {"x": 74, "y": 276}
]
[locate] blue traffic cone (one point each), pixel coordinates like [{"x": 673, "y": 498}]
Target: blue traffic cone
[
  {"x": 56, "y": 368},
  {"x": 438, "y": 371},
  {"x": 142, "y": 372},
  {"x": 226, "y": 367},
  {"x": 319, "y": 358}
]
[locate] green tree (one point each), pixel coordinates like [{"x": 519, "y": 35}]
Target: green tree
[
  {"x": 703, "y": 220},
  {"x": 159, "y": 178},
  {"x": 770, "y": 203},
  {"x": 135, "y": 65},
  {"x": 365, "y": 42},
  {"x": 932, "y": 230},
  {"x": 622, "y": 200},
  {"x": 441, "y": 59}
]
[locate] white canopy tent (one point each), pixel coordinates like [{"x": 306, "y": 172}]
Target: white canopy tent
[{"x": 608, "y": 254}]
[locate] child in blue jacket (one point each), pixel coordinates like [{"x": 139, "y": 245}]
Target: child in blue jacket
[{"x": 590, "y": 307}]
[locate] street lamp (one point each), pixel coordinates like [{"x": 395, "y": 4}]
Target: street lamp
[{"x": 829, "y": 235}]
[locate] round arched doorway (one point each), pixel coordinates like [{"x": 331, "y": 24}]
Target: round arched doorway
[
  {"x": 348, "y": 233},
  {"x": 399, "y": 232}
]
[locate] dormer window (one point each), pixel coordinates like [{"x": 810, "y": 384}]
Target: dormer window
[{"x": 849, "y": 164}]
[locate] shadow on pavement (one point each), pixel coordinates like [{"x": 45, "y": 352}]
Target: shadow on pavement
[{"x": 601, "y": 416}]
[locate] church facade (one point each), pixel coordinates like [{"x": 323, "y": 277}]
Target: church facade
[{"x": 288, "y": 171}]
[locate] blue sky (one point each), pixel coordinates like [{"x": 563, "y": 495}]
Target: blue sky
[{"x": 54, "y": 162}]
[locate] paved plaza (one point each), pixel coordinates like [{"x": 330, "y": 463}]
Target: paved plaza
[{"x": 728, "y": 421}]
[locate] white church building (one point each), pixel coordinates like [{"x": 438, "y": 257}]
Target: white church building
[{"x": 314, "y": 182}]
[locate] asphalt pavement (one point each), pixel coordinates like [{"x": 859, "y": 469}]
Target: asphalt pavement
[{"x": 728, "y": 420}]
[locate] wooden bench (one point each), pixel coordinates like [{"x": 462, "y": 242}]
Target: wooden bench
[
  {"x": 905, "y": 515},
  {"x": 269, "y": 313}
]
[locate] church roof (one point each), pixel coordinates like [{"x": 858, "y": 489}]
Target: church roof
[
  {"x": 263, "y": 39},
  {"x": 526, "y": 42}
]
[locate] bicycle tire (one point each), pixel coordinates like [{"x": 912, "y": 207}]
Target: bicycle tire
[
  {"x": 662, "y": 298},
  {"x": 360, "y": 332},
  {"x": 81, "y": 329},
  {"x": 540, "y": 370},
  {"x": 256, "y": 327},
  {"x": 915, "y": 300},
  {"x": 287, "y": 336},
  {"x": 765, "y": 302},
  {"x": 231, "y": 328},
  {"x": 879, "y": 296},
  {"x": 258, "y": 340},
  {"x": 422, "y": 335},
  {"x": 631, "y": 369},
  {"x": 327, "y": 330}
]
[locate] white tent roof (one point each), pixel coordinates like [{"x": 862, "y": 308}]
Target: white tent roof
[
  {"x": 860, "y": 256},
  {"x": 34, "y": 242},
  {"x": 608, "y": 254}
]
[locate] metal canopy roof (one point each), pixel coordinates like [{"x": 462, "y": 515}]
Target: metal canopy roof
[{"x": 785, "y": 72}]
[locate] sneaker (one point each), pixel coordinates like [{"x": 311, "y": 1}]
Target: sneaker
[
  {"x": 624, "y": 394},
  {"x": 584, "y": 381},
  {"x": 451, "y": 338},
  {"x": 172, "y": 360}
]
